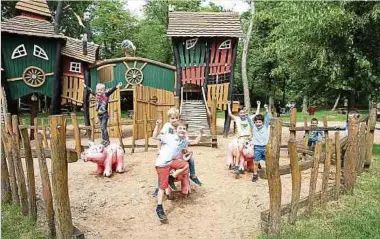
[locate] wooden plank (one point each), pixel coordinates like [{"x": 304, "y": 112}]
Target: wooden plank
[
  {"x": 362, "y": 149},
  {"x": 18, "y": 166},
  {"x": 32, "y": 206},
  {"x": 60, "y": 177},
  {"x": 324, "y": 118},
  {"x": 296, "y": 181},
  {"x": 293, "y": 121},
  {"x": 314, "y": 177},
  {"x": 349, "y": 170},
  {"x": 46, "y": 188},
  {"x": 6, "y": 193},
  {"x": 370, "y": 136},
  {"x": 7, "y": 139},
  {"x": 337, "y": 165},
  {"x": 326, "y": 170},
  {"x": 134, "y": 133},
  {"x": 146, "y": 133},
  {"x": 77, "y": 138}
]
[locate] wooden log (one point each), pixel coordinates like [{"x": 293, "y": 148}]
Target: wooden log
[
  {"x": 213, "y": 116},
  {"x": 326, "y": 131},
  {"x": 296, "y": 181},
  {"x": 326, "y": 170},
  {"x": 362, "y": 148},
  {"x": 134, "y": 133},
  {"x": 370, "y": 137},
  {"x": 77, "y": 138},
  {"x": 44, "y": 134},
  {"x": 92, "y": 129},
  {"x": 146, "y": 136},
  {"x": 285, "y": 209},
  {"x": 306, "y": 137},
  {"x": 7, "y": 141},
  {"x": 274, "y": 180},
  {"x": 46, "y": 188},
  {"x": 60, "y": 177},
  {"x": 20, "y": 176},
  {"x": 337, "y": 165},
  {"x": 30, "y": 175},
  {"x": 6, "y": 193},
  {"x": 8, "y": 122},
  {"x": 314, "y": 177},
  {"x": 349, "y": 170},
  {"x": 118, "y": 129},
  {"x": 330, "y": 128},
  {"x": 293, "y": 122}
]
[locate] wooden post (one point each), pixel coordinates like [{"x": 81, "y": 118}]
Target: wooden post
[
  {"x": 274, "y": 180},
  {"x": 60, "y": 177},
  {"x": 146, "y": 136},
  {"x": 213, "y": 124},
  {"x": 362, "y": 149},
  {"x": 326, "y": 170},
  {"x": 46, "y": 143},
  {"x": 370, "y": 137},
  {"x": 6, "y": 193},
  {"x": 293, "y": 122},
  {"x": 134, "y": 133},
  {"x": 306, "y": 137},
  {"x": 20, "y": 176},
  {"x": 337, "y": 165},
  {"x": 7, "y": 139},
  {"x": 45, "y": 181},
  {"x": 325, "y": 125},
  {"x": 78, "y": 146},
  {"x": 349, "y": 170},
  {"x": 29, "y": 174},
  {"x": 296, "y": 180},
  {"x": 92, "y": 129},
  {"x": 176, "y": 102},
  {"x": 314, "y": 176},
  {"x": 118, "y": 129}
]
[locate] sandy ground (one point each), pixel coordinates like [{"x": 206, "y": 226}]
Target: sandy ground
[{"x": 123, "y": 207}]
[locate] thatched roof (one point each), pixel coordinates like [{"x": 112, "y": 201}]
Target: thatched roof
[
  {"x": 38, "y": 7},
  {"x": 204, "y": 24},
  {"x": 74, "y": 49}
]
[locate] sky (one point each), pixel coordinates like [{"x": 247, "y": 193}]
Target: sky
[{"x": 135, "y": 6}]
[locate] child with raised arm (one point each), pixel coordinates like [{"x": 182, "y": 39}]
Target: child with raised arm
[
  {"x": 101, "y": 99},
  {"x": 172, "y": 145},
  {"x": 244, "y": 126},
  {"x": 260, "y": 139}
]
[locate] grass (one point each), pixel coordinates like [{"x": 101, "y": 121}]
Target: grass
[
  {"x": 15, "y": 225},
  {"x": 353, "y": 217}
]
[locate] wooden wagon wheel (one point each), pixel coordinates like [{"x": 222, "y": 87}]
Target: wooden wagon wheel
[
  {"x": 33, "y": 76},
  {"x": 134, "y": 76}
]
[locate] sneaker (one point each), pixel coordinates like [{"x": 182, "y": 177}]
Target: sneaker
[
  {"x": 259, "y": 166},
  {"x": 155, "y": 193},
  {"x": 237, "y": 172},
  {"x": 171, "y": 183},
  {"x": 161, "y": 214},
  {"x": 241, "y": 171},
  {"x": 196, "y": 181},
  {"x": 255, "y": 177}
]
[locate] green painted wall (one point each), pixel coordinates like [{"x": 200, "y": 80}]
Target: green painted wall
[
  {"x": 194, "y": 56},
  {"x": 154, "y": 76},
  {"x": 15, "y": 67}
]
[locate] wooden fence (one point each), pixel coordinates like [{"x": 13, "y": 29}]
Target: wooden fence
[
  {"x": 149, "y": 104},
  {"x": 72, "y": 90},
  {"x": 220, "y": 92},
  {"x": 352, "y": 154},
  {"x": 19, "y": 187}
]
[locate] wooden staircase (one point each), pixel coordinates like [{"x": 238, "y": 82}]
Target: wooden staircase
[{"x": 195, "y": 113}]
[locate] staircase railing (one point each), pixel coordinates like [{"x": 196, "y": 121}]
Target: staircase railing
[{"x": 205, "y": 101}]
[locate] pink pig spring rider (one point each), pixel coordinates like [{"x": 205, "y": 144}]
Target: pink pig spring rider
[
  {"x": 108, "y": 159},
  {"x": 245, "y": 155}
]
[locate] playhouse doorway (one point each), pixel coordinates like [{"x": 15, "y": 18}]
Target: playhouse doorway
[{"x": 192, "y": 92}]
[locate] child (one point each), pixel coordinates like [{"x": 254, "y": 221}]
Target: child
[
  {"x": 260, "y": 139},
  {"x": 314, "y": 135},
  {"x": 244, "y": 126},
  {"x": 101, "y": 98},
  {"x": 172, "y": 145}
]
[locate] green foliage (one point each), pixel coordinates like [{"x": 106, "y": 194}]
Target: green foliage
[
  {"x": 354, "y": 216},
  {"x": 15, "y": 225}
]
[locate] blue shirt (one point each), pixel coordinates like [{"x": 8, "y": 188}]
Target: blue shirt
[{"x": 261, "y": 135}]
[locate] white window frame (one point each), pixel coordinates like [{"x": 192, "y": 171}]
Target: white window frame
[
  {"x": 226, "y": 44},
  {"x": 19, "y": 51},
  {"x": 39, "y": 52},
  {"x": 75, "y": 67},
  {"x": 190, "y": 43}
]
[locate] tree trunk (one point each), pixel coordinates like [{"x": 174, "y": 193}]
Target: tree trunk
[
  {"x": 247, "y": 100},
  {"x": 336, "y": 103},
  {"x": 304, "y": 105}
]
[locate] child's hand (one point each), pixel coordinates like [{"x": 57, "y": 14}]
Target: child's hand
[
  {"x": 158, "y": 122},
  {"x": 84, "y": 85},
  {"x": 266, "y": 106},
  {"x": 229, "y": 102},
  {"x": 119, "y": 85},
  {"x": 258, "y": 102}
]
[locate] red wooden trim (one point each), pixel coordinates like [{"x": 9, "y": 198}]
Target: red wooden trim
[{"x": 223, "y": 61}]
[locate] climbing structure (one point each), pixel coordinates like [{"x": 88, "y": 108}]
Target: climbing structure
[{"x": 205, "y": 46}]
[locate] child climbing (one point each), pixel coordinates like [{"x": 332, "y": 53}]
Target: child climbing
[
  {"x": 172, "y": 145},
  {"x": 244, "y": 127},
  {"x": 314, "y": 135},
  {"x": 260, "y": 139},
  {"x": 101, "y": 98}
]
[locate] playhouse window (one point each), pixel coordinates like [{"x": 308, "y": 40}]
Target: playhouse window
[
  {"x": 19, "y": 52},
  {"x": 39, "y": 52},
  {"x": 191, "y": 43},
  {"x": 105, "y": 73},
  {"x": 75, "y": 67},
  {"x": 225, "y": 45}
]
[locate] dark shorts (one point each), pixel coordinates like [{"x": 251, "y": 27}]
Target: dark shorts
[
  {"x": 259, "y": 152},
  {"x": 311, "y": 143}
]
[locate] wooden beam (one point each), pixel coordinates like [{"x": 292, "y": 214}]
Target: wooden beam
[
  {"x": 338, "y": 151},
  {"x": 314, "y": 177},
  {"x": 349, "y": 168},
  {"x": 128, "y": 58},
  {"x": 296, "y": 181}
]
